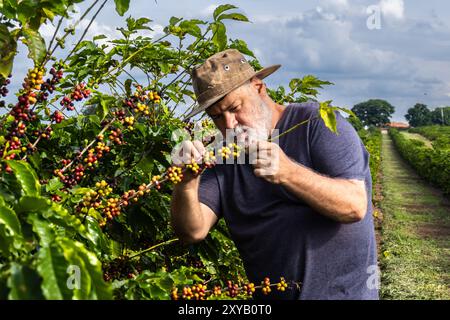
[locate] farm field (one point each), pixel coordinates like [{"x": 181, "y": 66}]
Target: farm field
[{"x": 415, "y": 249}]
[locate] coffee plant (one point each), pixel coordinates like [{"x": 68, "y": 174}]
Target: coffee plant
[
  {"x": 85, "y": 171},
  {"x": 432, "y": 164},
  {"x": 439, "y": 135},
  {"x": 372, "y": 141}
]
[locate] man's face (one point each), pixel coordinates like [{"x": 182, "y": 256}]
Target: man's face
[{"x": 242, "y": 112}]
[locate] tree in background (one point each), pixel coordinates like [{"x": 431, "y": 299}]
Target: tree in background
[
  {"x": 441, "y": 116},
  {"x": 374, "y": 112},
  {"x": 356, "y": 123},
  {"x": 419, "y": 115}
]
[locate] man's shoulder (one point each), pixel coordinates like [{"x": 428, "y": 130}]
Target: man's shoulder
[{"x": 306, "y": 109}]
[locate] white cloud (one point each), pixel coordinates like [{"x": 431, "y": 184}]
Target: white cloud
[
  {"x": 208, "y": 11},
  {"x": 393, "y": 8},
  {"x": 157, "y": 30},
  {"x": 338, "y": 4},
  {"x": 339, "y": 53}
]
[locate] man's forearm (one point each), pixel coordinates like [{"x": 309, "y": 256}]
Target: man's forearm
[
  {"x": 186, "y": 218},
  {"x": 340, "y": 199}
]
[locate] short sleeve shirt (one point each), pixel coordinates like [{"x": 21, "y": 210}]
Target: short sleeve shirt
[{"x": 279, "y": 235}]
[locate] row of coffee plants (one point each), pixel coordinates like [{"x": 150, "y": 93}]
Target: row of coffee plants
[
  {"x": 439, "y": 135},
  {"x": 433, "y": 164}
]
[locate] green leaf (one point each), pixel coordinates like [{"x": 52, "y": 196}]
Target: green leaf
[
  {"x": 6, "y": 241},
  {"x": 174, "y": 20},
  {"x": 8, "y": 47},
  {"x": 241, "y": 45},
  {"x": 100, "y": 288},
  {"x": 220, "y": 38},
  {"x": 65, "y": 123},
  {"x": 156, "y": 285},
  {"x": 26, "y": 177},
  {"x": 141, "y": 24},
  {"x": 294, "y": 83},
  {"x": 10, "y": 229},
  {"x": 105, "y": 104},
  {"x": 34, "y": 204},
  {"x": 61, "y": 217},
  {"x": 81, "y": 190},
  {"x": 156, "y": 292},
  {"x": 35, "y": 160},
  {"x": 98, "y": 241},
  {"x": 146, "y": 164},
  {"x": 80, "y": 279},
  {"x": 233, "y": 16},
  {"x": 24, "y": 283},
  {"x": 222, "y": 8},
  {"x": 42, "y": 229},
  {"x": 122, "y": 6},
  {"x": 68, "y": 270},
  {"x": 348, "y": 111},
  {"x": 328, "y": 116},
  {"x": 48, "y": 13},
  {"x": 35, "y": 44},
  {"x": 94, "y": 214},
  {"x": 52, "y": 266},
  {"x": 9, "y": 218},
  {"x": 308, "y": 85},
  {"x": 191, "y": 27},
  {"x": 128, "y": 86},
  {"x": 53, "y": 185},
  {"x": 99, "y": 37}
]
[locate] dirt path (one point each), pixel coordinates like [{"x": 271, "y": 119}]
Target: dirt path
[{"x": 415, "y": 237}]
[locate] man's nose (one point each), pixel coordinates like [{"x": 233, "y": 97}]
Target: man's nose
[{"x": 230, "y": 120}]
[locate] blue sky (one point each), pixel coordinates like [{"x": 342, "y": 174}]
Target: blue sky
[{"x": 406, "y": 60}]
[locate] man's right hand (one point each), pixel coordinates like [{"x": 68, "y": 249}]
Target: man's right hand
[{"x": 184, "y": 153}]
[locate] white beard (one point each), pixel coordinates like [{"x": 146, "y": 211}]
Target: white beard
[{"x": 260, "y": 129}]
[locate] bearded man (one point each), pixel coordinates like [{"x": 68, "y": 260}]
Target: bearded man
[{"x": 308, "y": 218}]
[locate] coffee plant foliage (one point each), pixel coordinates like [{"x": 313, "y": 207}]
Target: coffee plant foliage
[
  {"x": 85, "y": 172},
  {"x": 432, "y": 164}
]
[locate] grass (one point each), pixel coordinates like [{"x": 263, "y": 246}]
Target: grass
[
  {"x": 432, "y": 132},
  {"x": 415, "y": 245},
  {"x": 417, "y": 136}
]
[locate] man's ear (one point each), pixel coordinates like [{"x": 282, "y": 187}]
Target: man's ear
[{"x": 258, "y": 84}]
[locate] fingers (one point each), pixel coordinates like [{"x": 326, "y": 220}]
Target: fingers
[
  {"x": 187, "y": 151},
  {"x": 263, "y": 150},
  {"x": 262, "y": 163},
  {"x": 265, "y": 157},
  {"x": 194, "y": 150},
  {"x": 261, "y": 145},
  {"x": 200, "y": 149}
]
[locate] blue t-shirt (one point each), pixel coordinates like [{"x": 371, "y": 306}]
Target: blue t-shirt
[{"x": 279, "y": 235}]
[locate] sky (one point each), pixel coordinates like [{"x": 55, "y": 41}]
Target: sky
[{"x": 397, "y": 50}]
